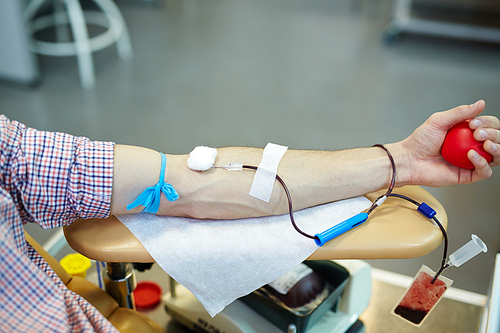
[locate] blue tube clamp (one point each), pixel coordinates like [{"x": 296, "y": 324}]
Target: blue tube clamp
[
  {"x": 426, "y": 210},
  {"x": 339, "y": 229}
]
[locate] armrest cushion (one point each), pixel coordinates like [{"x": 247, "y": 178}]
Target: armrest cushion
[{"x": 395, "y": 230}]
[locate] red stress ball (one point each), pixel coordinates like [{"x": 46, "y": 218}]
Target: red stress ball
[{"x": 459, "y": 140}]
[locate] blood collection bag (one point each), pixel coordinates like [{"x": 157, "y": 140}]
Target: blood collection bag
[
  {"x": 421, "y": 297},
  {"x": 301, "y": 290}
]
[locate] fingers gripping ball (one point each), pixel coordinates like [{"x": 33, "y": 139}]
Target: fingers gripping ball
[{"x": 459, "y": 140}]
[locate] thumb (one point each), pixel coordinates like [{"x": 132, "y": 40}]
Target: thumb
[{"x": 461, "y": 113}]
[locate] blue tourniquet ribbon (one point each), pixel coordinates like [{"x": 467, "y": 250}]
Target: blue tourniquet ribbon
[{"x": 150, "y": 197}]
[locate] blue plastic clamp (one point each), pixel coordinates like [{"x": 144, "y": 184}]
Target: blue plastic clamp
[
  {"x": 339, "y": 229},
  {"x": 426, "y": 210}
]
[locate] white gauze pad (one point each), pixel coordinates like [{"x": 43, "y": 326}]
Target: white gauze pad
[
  {"x": 263, "y": 181},
  {"x": 202, "y": 158}
]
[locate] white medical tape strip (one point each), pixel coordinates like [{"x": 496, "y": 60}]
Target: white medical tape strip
[{"x": 263, "y": 181}]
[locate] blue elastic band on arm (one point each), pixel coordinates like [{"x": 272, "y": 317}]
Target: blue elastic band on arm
[
  {"x": 337, "y": 230},
  {"x": 150, "y": 197}
]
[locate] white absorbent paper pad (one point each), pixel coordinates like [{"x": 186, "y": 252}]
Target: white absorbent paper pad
[{"x": 222, "y": 260}]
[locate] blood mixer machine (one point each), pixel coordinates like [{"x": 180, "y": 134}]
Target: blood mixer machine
[{"x": 316, "y": 297}]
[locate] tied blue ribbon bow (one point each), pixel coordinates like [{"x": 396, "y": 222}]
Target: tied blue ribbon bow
[{"x": 150, "y": 197}]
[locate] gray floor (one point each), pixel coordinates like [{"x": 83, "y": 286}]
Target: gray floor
[{"x": 307, "y": 74}]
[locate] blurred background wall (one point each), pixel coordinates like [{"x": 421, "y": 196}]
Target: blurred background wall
[{"x": 312, "y": 74}]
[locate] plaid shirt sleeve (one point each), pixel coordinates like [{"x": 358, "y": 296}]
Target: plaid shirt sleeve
[
  {"x": 51, "y": 179},
  {"x": 56, "y": 178}
]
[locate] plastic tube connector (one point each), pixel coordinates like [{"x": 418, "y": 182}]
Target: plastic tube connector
[
  {"x": 426, "y": 210},
  {"x": 380, "y": 201},
  {"x": 339, "y": 229},
  {"x": 231, "y": 166}
]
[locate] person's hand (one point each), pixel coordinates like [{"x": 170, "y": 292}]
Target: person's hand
[
  {"x": 486, "y": 128},
  {"x": 426, "y": 165}
]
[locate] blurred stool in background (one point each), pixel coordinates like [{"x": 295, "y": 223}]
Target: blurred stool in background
[{"x": 70, "y": 12}]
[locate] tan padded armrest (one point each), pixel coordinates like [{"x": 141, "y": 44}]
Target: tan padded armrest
[
  {"x": 394, "y": 230},
  {"x": 106, "y": 240}
]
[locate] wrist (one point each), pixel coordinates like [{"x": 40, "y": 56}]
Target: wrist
[{"x": 400, "y": 155}]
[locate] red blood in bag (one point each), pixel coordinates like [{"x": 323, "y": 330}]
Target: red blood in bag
[
  {"x": 420, "y": 298},
  {"x": 303, "y": 292},
  {"x": 459, "y": 140}
]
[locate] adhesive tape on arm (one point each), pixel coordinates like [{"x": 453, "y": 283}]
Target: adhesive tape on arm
[{"x": 263, "y": 181}]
